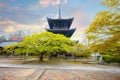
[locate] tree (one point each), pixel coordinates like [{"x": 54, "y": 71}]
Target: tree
[
  {"x": 46, "y": 43},
  {"x": 112, "y": 4},
  {"x": 79, "y": 50},
  {"x": 103, "y": 33},
  {"x": 105, "y": 22}
]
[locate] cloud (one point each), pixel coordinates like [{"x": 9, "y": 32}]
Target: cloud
[
  {"x": 47, "y": 3},
  {"x": 9, "y": 29},
  {"x": 33, "y": 8},
  {"x": 9, "y": 26},
  {"x": 81, "y": 22},
  {"x": 2, "y": 5}
]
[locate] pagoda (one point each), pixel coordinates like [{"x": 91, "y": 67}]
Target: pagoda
[{"x": 60, "y": 25}]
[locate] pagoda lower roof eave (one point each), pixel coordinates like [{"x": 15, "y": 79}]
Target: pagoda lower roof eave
[
  {"x": 66, "y": 32},
  {"x": 61, "y": 29}
]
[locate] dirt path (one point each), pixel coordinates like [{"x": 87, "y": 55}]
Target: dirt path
[
  {"x": 55, "y": 74},
  {"x": 9, "y": 71},
  {"x": 78, "y": 75}
]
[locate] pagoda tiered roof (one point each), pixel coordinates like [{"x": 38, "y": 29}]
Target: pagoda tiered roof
[{"x": 60, "y": 23}]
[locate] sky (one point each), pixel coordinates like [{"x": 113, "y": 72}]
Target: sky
[{"x": 31, "y": 15}]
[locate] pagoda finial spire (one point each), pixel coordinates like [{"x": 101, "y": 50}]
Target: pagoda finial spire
[{"x": 60, "y": 10}]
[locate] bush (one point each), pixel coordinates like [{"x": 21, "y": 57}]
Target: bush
[
  {"x": 107, "y": 58},
  {"x": 116, "y": 59}
]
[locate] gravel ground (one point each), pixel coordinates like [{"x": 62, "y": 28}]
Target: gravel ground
[
  {"x": 13, "y": 70},
  {"x": 78, "y": 75},
  {"x": 55, "y": 74},
  {"x": 15, "y": 73}
]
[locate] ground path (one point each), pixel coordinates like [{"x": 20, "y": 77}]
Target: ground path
[{"x": 10, "y": 71}]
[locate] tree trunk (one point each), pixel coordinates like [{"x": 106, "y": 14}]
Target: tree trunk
[{"x": 41, "y": 57}]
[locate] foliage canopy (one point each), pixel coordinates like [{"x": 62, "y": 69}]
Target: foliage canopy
[{"x": 104, "y": 32}]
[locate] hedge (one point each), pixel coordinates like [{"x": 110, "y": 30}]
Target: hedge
[{"x": 108, "y": 59}]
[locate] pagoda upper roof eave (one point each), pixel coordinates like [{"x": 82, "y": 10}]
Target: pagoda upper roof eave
[{"x": 60, "y": 18}]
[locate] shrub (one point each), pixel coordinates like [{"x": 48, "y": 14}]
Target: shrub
[
  {"x": 116, "y": 59},
  {"x": 107, "y": 58}
]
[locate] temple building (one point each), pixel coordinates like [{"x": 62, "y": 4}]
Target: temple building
[{"x": 61, "y": 26}]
